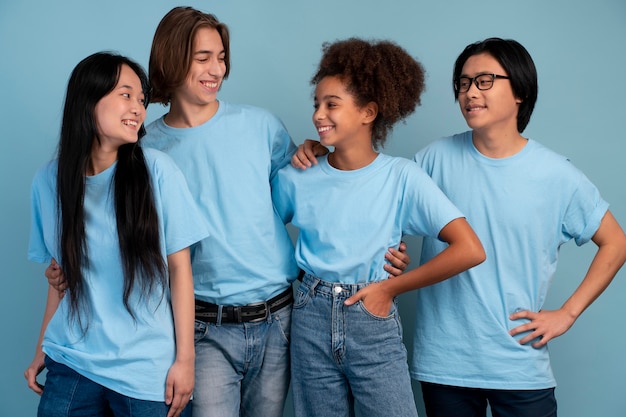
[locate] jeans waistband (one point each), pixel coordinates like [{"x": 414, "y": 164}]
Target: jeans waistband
[
  {"x": 332, "y": 288},
  {"x": 213, "y": 313}
]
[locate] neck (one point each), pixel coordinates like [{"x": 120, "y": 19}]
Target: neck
[
  {"x": 182, "y": 115},
  {"x": 351, "y": 159},
  {"x": 100, "y": 160},
  {"x": 498, "y": 144}
]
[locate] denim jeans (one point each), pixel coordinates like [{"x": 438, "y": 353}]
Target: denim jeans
[
  {"x": 448, "y": 401},
  {"x": 242, "y": 369},
  {"x": 344, "y": 357},
  {"x": 67, "y": 393}
]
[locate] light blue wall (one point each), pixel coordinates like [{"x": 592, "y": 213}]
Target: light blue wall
[{"x": 579, "y": 48}]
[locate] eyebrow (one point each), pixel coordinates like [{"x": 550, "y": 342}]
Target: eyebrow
[
  {"x": 204, "y": 51},
  {"x": 477, "y": 74},
  {"x": 330, "y": 97}
]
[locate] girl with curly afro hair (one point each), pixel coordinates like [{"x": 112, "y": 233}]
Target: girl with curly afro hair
[{"x": 346, "y": 336}]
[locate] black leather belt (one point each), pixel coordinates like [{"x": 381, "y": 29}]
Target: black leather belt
[{"x": 208, "y": 312}]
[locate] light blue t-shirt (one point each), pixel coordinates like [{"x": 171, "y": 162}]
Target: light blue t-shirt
[
  {"x": 128, "y": 356},
  {"x": 228, "y": 163},
  {"x": 523, "y": 208},
  {"x": 349, "y": 219}
]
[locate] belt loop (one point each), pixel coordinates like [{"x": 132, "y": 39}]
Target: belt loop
[
  {"x": 219, "y": 316},
  {"x": 314, "y": 284},
  {"x": 237, "y": 314},
  {"x": 268, "y": 313},
  {"x": 354, "y": 289}
]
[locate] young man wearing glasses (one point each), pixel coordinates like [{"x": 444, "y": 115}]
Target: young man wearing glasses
[{"x": 481, "y": 337}]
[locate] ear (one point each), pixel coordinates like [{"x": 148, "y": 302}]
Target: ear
[
  {"x": 518, "y": 100},
  {"x": 370, "y": 111}
]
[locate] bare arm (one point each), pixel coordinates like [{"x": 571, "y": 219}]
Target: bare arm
[
  {"x": 37, "y": 365},
  {"x": 464, "y": 251},
  {"x": 611, "y": 255},
  {"x": 180, "y": 378}
]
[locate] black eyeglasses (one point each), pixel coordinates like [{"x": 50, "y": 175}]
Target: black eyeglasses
[{"x": 482, "y": 81}]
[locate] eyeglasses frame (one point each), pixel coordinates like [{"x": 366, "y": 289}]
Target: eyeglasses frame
[{"x": 474, "y": 80}]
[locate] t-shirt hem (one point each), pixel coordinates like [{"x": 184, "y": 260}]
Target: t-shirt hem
[{"x": 483, "y": 384}]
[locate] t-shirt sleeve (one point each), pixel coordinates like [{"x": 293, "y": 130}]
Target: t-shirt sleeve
[
  {"x": 283, "y": 147},
  {"x": 584, "y": 213},
  {"x": 42, "y": 200},
  {"x": 183, "y": 223},
  {"x": 427, "y": 209},
  {"x": 283, "y": 194}
]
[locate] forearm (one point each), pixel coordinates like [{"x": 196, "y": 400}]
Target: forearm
[
  {"x": 183, "y": 304},
  {"x": 52, "y": 303},
  {"x": 605, "y": 265},
  {"x": 452, "y": 261},
  {"x": 463, "y": 252},
  {"x": 608, "y": 260}
]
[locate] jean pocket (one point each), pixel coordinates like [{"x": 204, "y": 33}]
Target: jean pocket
[
  {"x": 391, "y": 315},
  {"x": 283, "y": 321},
  {"x": 201, "y": 329},
  {"x": 301, "y": 297}
]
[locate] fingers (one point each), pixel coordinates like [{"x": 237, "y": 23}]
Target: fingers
[
  {"x": 31, "y": 378},
  {"x": 398, "y": 262},
  {"x": 169, "y": 391},
  {"x": 178, "y": 387},
  {"x": 305, "y": 155},
  {"x": 177, "y": 403},
  {"x": 297, "y": 161},
  {"x": 538, "y": 331},
  {"x": 56, "y": 278},
  {"x": 393, "y": 272}
]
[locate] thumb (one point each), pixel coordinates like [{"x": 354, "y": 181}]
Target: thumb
[{"x": 169, "y": 391}]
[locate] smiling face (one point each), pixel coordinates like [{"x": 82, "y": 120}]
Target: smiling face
[
  {"x": 120, "y": 113},
  {"x": 337, "y": 118},
  {"x": 489, "y": 111},
  {"x": 206, "y": 72}
]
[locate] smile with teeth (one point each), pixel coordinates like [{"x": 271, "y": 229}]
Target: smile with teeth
[
  {"x": 209, "y": 84},
  {"x": 474, "y": 108},
  {"x": 323, "y": 129},
  {"x": 129, "y": 122}
]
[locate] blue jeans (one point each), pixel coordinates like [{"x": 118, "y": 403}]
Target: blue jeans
[
  {"x": 345, "y": 357},
  {"x": 449, "y": 401},
  {"x": 242, "y": 369},
  {"x": 68, "y": 393}
]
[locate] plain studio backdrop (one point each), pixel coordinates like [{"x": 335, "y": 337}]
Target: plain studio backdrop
[{"x": 579, "y": 48}]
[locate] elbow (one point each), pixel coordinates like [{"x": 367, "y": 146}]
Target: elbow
[
  {"x": 477, "y": 253},
  {"x": 623, "y": 250},
  {"x": 480, "y": 256}
]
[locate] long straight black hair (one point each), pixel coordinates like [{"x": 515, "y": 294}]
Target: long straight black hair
[{"x": 137, "y": 219}]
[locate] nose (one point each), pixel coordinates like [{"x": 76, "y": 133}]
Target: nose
[
  {"x": 317, "y": 114},
  {"x": 217, "y": 67},
  {"x": 473, "y": 88},
  {"x": 138, "y": 109}
]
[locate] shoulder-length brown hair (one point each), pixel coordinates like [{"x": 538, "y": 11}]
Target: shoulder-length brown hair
[{"x": 172, "y": 49}]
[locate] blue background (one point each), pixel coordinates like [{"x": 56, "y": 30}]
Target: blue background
[{"x": 579, "y": 48}]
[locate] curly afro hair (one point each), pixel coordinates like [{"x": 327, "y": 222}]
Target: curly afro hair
[{"x": 375, "y": 71}]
